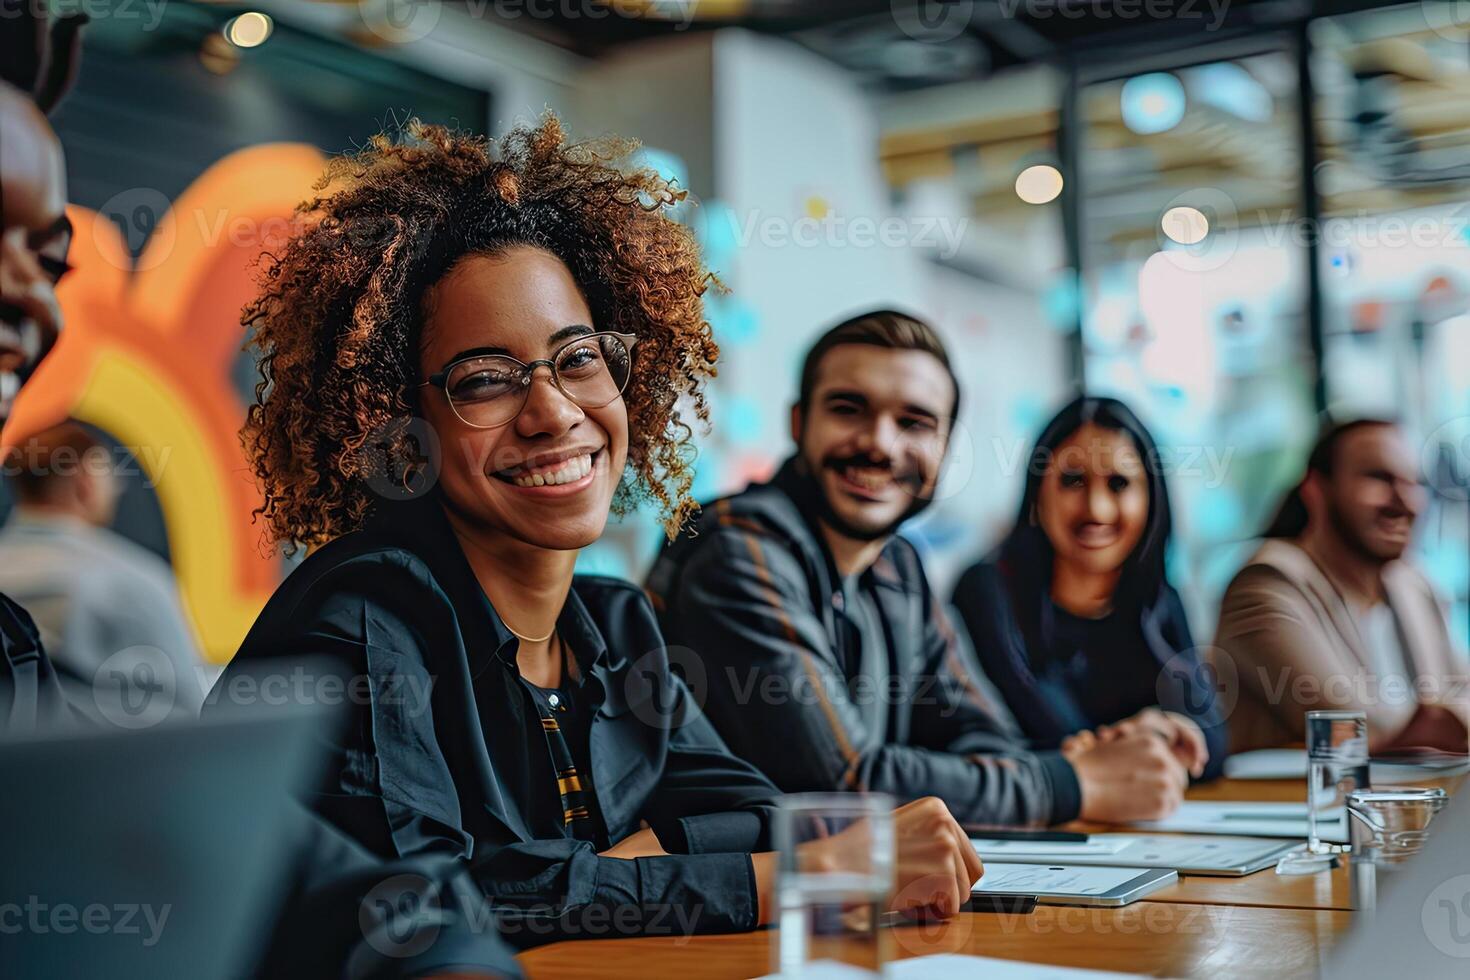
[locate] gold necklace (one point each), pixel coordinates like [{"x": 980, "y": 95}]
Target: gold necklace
[{"x": 529, "y": 639}]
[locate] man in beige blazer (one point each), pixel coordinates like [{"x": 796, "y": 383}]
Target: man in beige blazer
[{"x": 1327, "y": 614}]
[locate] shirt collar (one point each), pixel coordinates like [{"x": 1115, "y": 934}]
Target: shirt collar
[
  {"x": 433, "y": 539},
  {"x": 18, "y": 636},
  {"x": 577, "y": 628},
  {"x": 885, "y": 570},
  {"x": 51, "y": 520}
]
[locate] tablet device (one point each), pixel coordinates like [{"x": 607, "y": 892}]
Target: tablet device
[{"x": 1060, "y": 884}]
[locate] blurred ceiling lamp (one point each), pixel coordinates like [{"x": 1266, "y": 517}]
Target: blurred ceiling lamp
[
  {"x": 249, "y": 30},
  {"x": 1039, "y": 184},
  {"x": 1185, "y": 225},
  {"x": 1152, "y": 103},
  {"x": 1230, "y": 88}
]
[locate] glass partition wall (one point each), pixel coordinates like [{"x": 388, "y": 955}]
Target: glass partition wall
[
  {"x": 1269, "y": 227},
  {"x": 1194, "y": 285}
]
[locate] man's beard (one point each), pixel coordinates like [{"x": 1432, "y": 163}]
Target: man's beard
[
  {"x": 1353, "y": 539},
  {"x": 829, "y": 515}
]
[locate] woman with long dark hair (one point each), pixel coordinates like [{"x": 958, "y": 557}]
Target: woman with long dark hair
[
  {"x": 1072, "y": 617},
  {"x": 474, "y": 355}
]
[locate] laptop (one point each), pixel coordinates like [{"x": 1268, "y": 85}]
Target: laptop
[
  {"x": 150, "y": 853},
  {"x": 1421, "y": 927}
]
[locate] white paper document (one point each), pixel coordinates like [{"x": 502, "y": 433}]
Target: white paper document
[
  {"x": 1192, "y": 854},
  {"x": 1285, "y": 820},
  {"x": 1292, "y": 764},
  {"x": 945, "y": 966},
  {"x": 1267, "y": 764},
  {"x": 953, "y": 966}
]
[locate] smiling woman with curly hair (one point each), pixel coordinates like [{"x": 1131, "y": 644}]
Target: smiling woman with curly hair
[
  {"x": 514, "y": 327},
  {"x": 341, "y": 317}
]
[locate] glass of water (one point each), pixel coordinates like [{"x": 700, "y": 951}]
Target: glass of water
[
  {"x": 1388, "y": 829},
  {"x": 1337, "y": 764},
  {"x": 832, "y": 912}
]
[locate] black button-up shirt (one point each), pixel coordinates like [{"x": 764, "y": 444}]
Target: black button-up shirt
[
  {"x": 445, "y": 752},
  {"x": 31, "y": 697}
]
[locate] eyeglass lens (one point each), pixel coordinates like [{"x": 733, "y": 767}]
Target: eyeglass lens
[{"x": 489, "y": 391}]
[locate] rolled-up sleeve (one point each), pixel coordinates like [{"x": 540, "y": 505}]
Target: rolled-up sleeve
[{"x": 547, "y": 890}]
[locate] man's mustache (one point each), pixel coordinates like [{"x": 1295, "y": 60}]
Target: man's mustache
[{"x": 909, "y": 477}]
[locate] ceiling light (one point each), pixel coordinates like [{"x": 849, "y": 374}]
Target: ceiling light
[
  {"x": 1185, "y": 225},
  {"x": 249, "y": 30},
  {"x": 1152, "y": 103},
  {"x": 1039, "y": 184}
]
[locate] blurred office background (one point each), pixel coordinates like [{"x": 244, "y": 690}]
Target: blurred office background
[{"x": 1233, "y": 215}]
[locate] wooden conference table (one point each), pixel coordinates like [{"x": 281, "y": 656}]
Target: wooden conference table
[{"x": 1262, "y": 925}]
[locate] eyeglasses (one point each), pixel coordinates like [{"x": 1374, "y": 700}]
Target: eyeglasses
[{"x": 490, "y": 390}]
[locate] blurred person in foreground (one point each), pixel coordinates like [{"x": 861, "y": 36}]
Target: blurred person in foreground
[
  {"x": 107, "y": 608},
  {"x": 514, "y": 334},
  {"x": 343, "y": 908},
  {"x": 1072, "y": 617},
  {"x": 1329, "y": 614},
  {"x": 35, "y": 234},
  {"x": 830, "y": 662}
]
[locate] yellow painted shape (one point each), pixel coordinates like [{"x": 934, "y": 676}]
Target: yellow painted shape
[{"x": 140, "y": 407}]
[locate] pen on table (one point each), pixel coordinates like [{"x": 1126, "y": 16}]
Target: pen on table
[{"x": 1002, "y": 904}]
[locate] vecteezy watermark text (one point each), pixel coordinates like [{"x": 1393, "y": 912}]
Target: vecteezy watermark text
[
  {"x": 97, "y": 918},
  {"x": 35, "y": 459},
  {"x": 1209, "y": 463},
  {"x": 148, "y": 11},
  {"x": 940, "y": 234},
  {"x": 938, "y": 21},
  {"x": 405, "y": 914}
]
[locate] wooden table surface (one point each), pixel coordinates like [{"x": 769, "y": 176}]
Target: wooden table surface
[
  {"x": 1262, "y": 925},
  {"x": 1159, "y": 938}
]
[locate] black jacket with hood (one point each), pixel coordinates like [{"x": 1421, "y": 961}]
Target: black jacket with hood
[{"x": 754, "y": 613}]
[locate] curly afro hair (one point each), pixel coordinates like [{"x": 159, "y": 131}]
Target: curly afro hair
[{"x": 338, "y": 319}]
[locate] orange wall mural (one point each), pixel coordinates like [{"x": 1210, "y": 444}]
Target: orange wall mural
[{"x": 147, "y": 354}]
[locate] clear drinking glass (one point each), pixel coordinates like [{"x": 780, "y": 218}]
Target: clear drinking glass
[
  {"x": 1337, "y": 764},
  {"x": 1388, "y": 828},
  {"x": 832, "y": 912}
]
